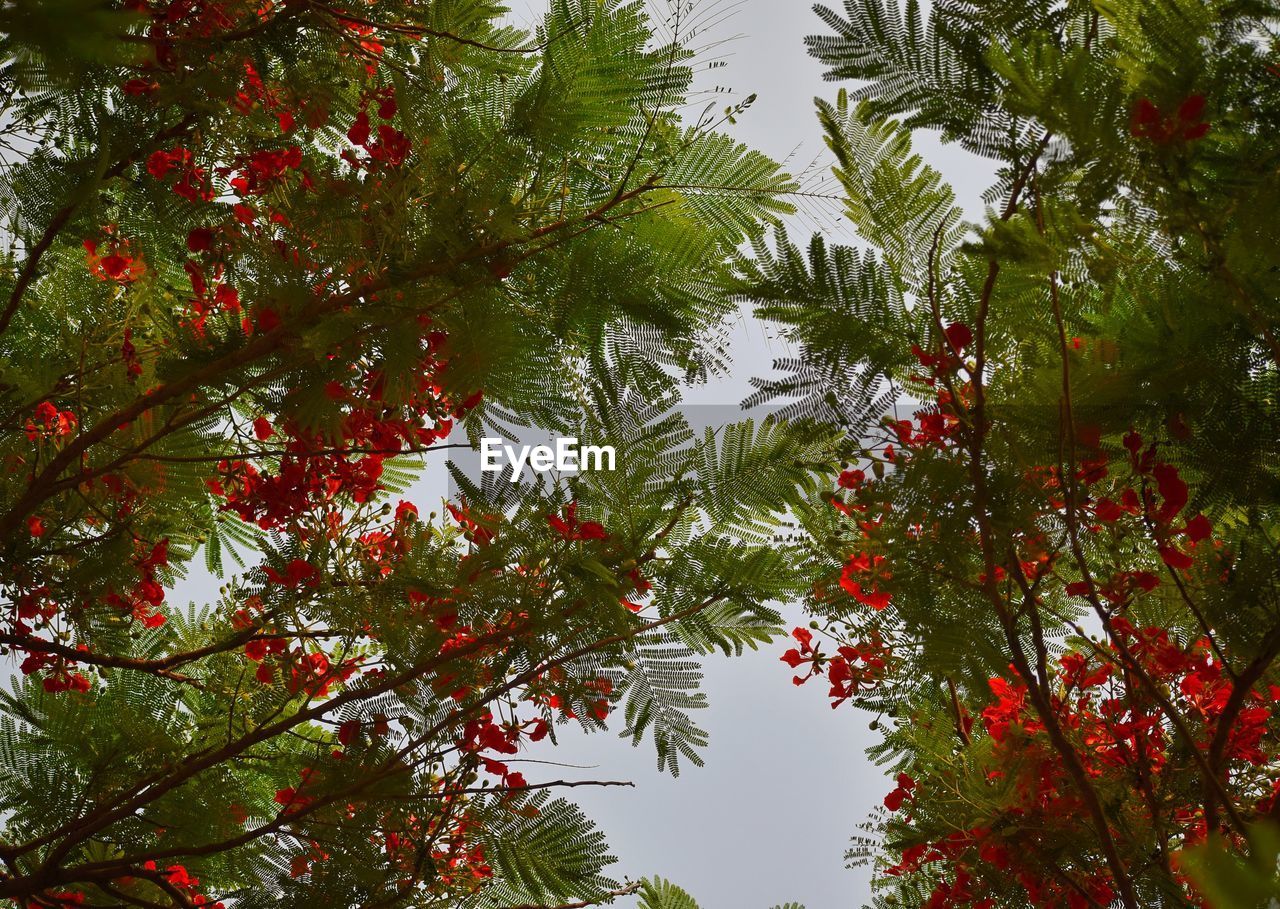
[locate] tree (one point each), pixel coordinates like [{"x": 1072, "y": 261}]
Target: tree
[
  {"x": 262, "y": 257},
  {"x": 1053, "y": 566}
]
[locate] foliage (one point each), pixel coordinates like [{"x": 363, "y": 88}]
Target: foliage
[
  {"x": 1053, "y": 564},
  {"x": 656, "y": 893},
  {"x": 262, "y": 257},
  {"x": 1235, "y": 881}
]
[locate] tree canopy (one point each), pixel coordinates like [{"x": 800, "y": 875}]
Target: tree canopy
[
  {"x": 1050, "y": 563},
  {"x": 262, "y": 257}
]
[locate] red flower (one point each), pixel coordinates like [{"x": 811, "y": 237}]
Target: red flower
[
  {"x": 119, "y": 264},
  {"x": 392, "y": 146},
  {"x": 471, "y": 402},
  {"x": 895, "y": 799},
  {"x": 266, "y": 319},
  {"x": 852, "y": 479},
  {"x": 793, "y": 658},
  {"x": 262, "y": 429},
  {"x": 348, "y": 731},
  {"x": 295, "y": 573},
  {"x": 473, "y": 529},
  {"x": 140, "y": 87},
  {"x": 200, "y": 239},
  {"x": 1172, "y": 489},
  {"x": 1191, "y": 116},
  {"x": 1076, "y": 672},
  {"x": 286, "y": 796},
  {"x": 876, "y": 598},
  {"x": 559, "y": 525},
  {"x": 359, "y": 131},
  {"x": 869, "y": 568},
  {"x": 1144, "y": 579},
  {"x": 1108, "y": 511},
  {"x": 115, "y": 266},
  {"x": 1175, "y": 558},
  {"x": 1148, "y": 122},
  {"x": 569, "y": 528},
  {"x": 160, "y": 162},
  {"x": 1198, "y": 528},
  {"x": 48, "y": 421},
  {"x": 958, "y": 335}
]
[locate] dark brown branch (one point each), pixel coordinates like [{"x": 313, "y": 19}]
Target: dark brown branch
[
  {"x": 958, "y": 713},
  {"x": 1039, "y": 697}
]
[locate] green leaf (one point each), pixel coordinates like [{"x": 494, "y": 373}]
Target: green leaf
[{"x": 657, "y": 893}]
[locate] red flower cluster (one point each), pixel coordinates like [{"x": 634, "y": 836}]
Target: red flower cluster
[
  {"x": 119, "y": 263},
  {"x": 255, "y": 93},
  {"x": 569, "y": 528},
  {"x": 190, "y": 181},
  {"x": 148, "y": 593},
  {"x": 962, "y": 851},
  {"x": 1141, "y": 712},
  {"x": 179, "y": 877},
  {"x": 866, "y": 569},
  {"x": 384, "y": 145},
  {"x": 933, "y": 427},
  {"x": 295, "y": 574},
  {"x": 1157, "y": 508},
  {"x": 903, "y": 792},
  {"x": 302, "y": 483},
  {"x": 57, "y": 671},
  {"x": 483, "y": 734},
  {"x": 476, "y": 528},
  {"x": 1124, "y": 736},
  {"x": 129, "y": 356},
  {"x": 259, "y": 649},
  {"x": 948, "y": 356},
  {"x": 313, "y": 471},
  {"x": 852, "y": 667},
  {"x": 309, "y": 671},
  {"x": 263, "y": 170},
  {"x": 212, "y": 294},
  {"x": 48, "y": 422},
  {"x": 1186, "y": 124}
]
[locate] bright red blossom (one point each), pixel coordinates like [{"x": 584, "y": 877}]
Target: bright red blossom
[{"x": 569, "y": 528}]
